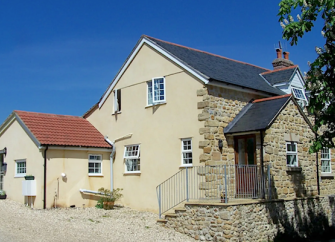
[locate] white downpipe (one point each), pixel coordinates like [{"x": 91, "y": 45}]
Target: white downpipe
[{"x": 112, "y": 143}]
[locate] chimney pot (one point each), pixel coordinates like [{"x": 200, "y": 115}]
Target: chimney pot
[
  {"x": 286, "y": 55},
  {"x": 279, "y": 53}
]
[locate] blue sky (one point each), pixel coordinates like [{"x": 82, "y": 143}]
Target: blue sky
[{"x": 60, "y": 56}]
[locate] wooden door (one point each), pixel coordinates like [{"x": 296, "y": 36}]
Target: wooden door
[{"x": 245, "y": 163}]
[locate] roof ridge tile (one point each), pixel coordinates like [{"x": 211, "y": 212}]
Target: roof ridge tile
[{"x": 271, "y": 98}]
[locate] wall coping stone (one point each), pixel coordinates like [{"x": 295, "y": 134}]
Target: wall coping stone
[{"x": 246, "y": 202}]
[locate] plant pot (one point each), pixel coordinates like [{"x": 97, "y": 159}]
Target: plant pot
[
  {"x": 3, "y": 196},
  {"x": 29, "y": 178},
  {"x": 108, "y": 205}
]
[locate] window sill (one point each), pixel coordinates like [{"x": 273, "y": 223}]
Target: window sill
[
  {"x": 95, "y": 175},
  {"x": 115, "y": 113},
  {"x": 20, "y": 176},
  {"x": 327, "y": 175},
  {"x": 293, "y": 169},
  {"x": 186, "y": 166},
  {"x": 154, "y": 105},
  {"x": 132, "y": 173}
]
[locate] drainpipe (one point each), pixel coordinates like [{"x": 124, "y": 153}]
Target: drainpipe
[
  {"x": 45, "y": 177},
  {"x": 112, "y": 143},
  {"x": 317, "y": 167},
  {"x": 262, "y": 165}
]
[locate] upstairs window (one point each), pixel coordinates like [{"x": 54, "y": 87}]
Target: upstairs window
[
  {"x": 117, "y": 100},
  {"x": 20, "y": 168},
  {"x": 132, "y": 158},
  {"x": 156, "y": 91},
  {"x": 291, "y": 154},
  {"x": 300, "y": 96},
  {"x": 325, "y": 161},
  {"x": 186, "y": 150},
  {"x": 94, "y": 165}
]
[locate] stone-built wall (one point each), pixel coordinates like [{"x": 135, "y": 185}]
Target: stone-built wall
[
  {"x": 257, "y": 221},
  {"x": 219, "y": 107},
  {"x": 327, "y": 184},
  {"x": 290, "y": 126}
]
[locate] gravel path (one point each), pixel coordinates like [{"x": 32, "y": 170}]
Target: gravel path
[{"x": 20, "y": 223}]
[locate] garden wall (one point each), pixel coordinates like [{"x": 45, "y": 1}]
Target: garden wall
[{"x": 256, "y": 220}]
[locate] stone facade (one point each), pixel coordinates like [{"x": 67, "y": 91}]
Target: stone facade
[
  {"x": 290, "y": 126},
  {"x": 256, "y": 221},
  {"x": 219, "y": 107}
]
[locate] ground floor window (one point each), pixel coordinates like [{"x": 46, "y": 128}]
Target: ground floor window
[
  {"x": 325, "y": 160},
  {"x": 94, "y": 165},
  {"x": 20, "y": 168},
  {"x": 132, "y": 158},
  {"x": 291, "y": 154},
  {"x": 186, "y": 150}
]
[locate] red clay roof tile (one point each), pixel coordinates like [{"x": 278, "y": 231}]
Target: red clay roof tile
[{"x": 63, "y": 130}]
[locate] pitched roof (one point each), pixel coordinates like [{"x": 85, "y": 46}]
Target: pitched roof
[
  {"x": 62, "y": 130},
  {"x": 257, "y": 115},
  {"x": 203, "y": 65},
  {"x": 219, "y": 68},
  {"x": 280, "y": 75}
]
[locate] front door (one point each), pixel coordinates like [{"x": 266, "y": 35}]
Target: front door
[{"x": 245, "y": 163}]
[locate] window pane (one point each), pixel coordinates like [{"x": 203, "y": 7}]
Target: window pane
[
  {"x": 133, "y": 164},
  {"x": 325, "y": 166},
  {"x": 298, "y": 93},
  {"x": 159, "y": 89},
  {"x": 132, "y": 151},
  {"x": 149, "y": 92},
  {"x": 291, "y": 160}
]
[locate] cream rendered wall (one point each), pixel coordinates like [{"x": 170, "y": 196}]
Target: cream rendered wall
[
  {"x": 20, "y": 146},
  {"x": 157, "y": 129},
  {"x": 64, "y": 192}
]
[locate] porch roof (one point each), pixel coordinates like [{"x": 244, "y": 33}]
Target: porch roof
[{"x": 257, "y": 115}]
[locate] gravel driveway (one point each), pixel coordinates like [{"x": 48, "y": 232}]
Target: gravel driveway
[{"x": 20, "y": 223}]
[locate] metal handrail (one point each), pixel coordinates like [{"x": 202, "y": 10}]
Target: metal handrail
[{"x": 217, "y": 183}]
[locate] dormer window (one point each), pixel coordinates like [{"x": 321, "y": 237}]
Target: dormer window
[{"x": 300, "y": 96}]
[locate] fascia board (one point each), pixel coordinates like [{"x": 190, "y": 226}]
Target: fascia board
[
  {"x": 159, "y": 49},
  {"x": 77, "y": 148},
  {"x": 7, "y": 123},
  {"x": 281, "y": 84},
  {"x": 25, "y": 128}
]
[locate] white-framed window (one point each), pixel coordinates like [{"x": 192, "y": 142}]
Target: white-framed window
[
  {"x": 94, "y": 164},
  {"x": 186, "y": 152},
  {"x": 325, "y": 161},
  {"x": 291, "y": 154},
  {"x": 299, "y": 94},
  {"x": 20, "y": 168},
  {"x": 117, "y": 100},
  {"x": 132, "y": 158},
  {"x": 156, "y": 91}
]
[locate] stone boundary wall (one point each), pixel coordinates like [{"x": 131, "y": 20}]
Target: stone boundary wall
[{"x": 257, "y": 220}]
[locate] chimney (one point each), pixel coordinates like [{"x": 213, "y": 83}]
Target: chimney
[
  {"x": 286, "y": 54},
  {"x": 278, "y": 53},
  {"x": 281, "y": 62}
]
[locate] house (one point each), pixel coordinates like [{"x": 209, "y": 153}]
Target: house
[
  {"x": 185, "y": 124},
  {"x": 172, "y": 108},
  {"x": 63, "y": 153}
]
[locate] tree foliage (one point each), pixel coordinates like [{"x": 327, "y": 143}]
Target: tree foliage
[{"x": 320, "y": 79}]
